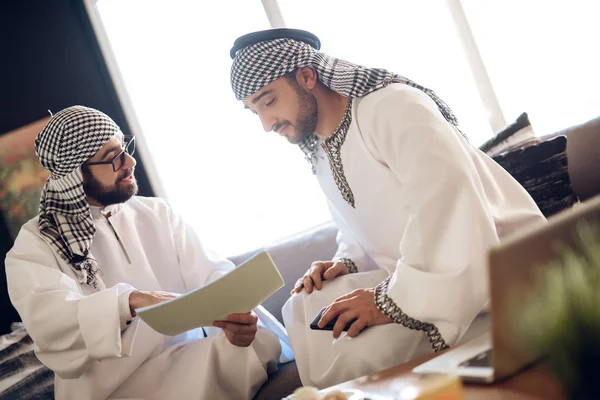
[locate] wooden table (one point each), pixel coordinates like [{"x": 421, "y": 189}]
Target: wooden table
[{"x": 532, "y": 383}]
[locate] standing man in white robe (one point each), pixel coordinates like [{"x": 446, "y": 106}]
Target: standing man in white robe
[
  {"x": 95, "y": 253},
  {"x": 406, "y": 191}
]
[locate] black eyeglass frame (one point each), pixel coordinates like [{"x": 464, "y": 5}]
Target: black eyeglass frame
[{"x": 129, "y": 141}]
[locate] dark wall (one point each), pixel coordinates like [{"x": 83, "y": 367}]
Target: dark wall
[{"x": 49, "y": 60}]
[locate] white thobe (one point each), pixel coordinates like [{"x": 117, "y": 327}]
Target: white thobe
[
  {"x": 88, "y": 337},
  {"x": 428, "y": 206}
]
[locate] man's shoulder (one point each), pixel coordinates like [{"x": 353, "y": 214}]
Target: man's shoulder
[
  {"x": 149, "y": 203},
  {"x": 394, "y": 98},
  {"x": 29, "y": 229},
  {"x": 154, "y": 207},
  {"x": 397, "y": 102},
  {"x": 28, "y": 238},
  {"x": 397, "y": 93}
]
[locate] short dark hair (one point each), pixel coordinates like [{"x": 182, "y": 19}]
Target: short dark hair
[{"x": 291, "y": 77}]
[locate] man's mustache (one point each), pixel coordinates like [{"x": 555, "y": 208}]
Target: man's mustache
[
  {"x": 280, "y": 125},
  {"x": 128, "y": 172}
]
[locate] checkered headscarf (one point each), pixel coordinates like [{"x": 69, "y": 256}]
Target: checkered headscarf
[
  {"x": 71, "y": 137},
  {"x": 259, "y": 64}
]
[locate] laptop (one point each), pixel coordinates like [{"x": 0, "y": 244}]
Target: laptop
[{"x": 512, "y": 272}]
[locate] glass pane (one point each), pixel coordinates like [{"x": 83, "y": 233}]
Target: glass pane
[
  {"x": 417, "y": 39},
  {"x": 542, "y": 57},
  {"x": 239, "y": 187}
]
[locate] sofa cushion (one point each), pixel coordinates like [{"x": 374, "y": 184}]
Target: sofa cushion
[
  {"x": 516, "y": 135},
  {"x": 293, "y": 257},
  {"x": 583, "y": 150},
  {"x": 542, "y": 169}
]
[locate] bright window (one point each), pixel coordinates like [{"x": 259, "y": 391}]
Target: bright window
[
  {"x": 242, "y": 188},
  {"x": 238, "y": 186},
  {"x": 542, "y": 58},
  {"x": 416, "y": 39}
]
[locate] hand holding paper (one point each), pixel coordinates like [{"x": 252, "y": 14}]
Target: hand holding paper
[
  {"x": 239, "y": 291},
  {"x": 240, "y": 329},
  {"x": 143, "y": 298}
]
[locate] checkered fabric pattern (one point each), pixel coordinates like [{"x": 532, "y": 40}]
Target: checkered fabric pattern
[
  {"x": 71, "y": 137},
  {"x": 257, "y": 65}
]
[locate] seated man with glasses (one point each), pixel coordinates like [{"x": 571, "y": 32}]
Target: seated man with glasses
[{"x": 95, "y": 253}]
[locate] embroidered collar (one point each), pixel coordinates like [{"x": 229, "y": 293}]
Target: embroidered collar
[
  {"x": 309, "y": 147},
  {"x": 332, "y": 147}
]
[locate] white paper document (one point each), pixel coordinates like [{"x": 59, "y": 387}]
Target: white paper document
[{"x": 239, "y": 291}]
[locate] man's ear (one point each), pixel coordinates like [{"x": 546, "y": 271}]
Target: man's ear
[{"x": 306, "y": 77}]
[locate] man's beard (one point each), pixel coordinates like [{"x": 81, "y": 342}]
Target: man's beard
[
  {"x": 107, "y": 195},
  {"x": 306, "y": 121}
]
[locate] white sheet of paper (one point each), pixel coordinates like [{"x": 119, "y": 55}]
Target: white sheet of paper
[{"x": 239, "y": 291}]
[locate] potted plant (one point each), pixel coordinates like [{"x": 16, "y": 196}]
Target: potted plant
[{"x": 562, "y": 319}]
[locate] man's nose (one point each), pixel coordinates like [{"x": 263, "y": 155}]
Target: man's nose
[
  {"x": 267, "y": 123},
  {"x": 129, "y": 161}
]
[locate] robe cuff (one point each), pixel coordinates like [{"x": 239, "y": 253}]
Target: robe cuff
[
  {"x": 387, "y": 306},
  {"x": 126, "y": 318},
  {"x": 99, "y": 322},
  {"x": 352, "y": 268}
]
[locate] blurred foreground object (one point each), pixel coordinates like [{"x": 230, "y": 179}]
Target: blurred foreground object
[{"x": 562, "y": 319}]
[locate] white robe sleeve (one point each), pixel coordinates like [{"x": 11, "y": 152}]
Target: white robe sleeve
[
  {"x": 440, "y": 279},
  {"x": 70, "y": 330},
  {"x": 198, "y": 266},
  {"x": 348, "y": 251}
]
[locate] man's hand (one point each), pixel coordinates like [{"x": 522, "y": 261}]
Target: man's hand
[
  {"x": 142, "y": 298},
  {"x": 319, "y": 271},
  {"x": 240, "y": 329},
  {"x": 357, "y": 305}
]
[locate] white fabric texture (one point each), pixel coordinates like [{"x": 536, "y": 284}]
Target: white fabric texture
[
  {"x": 522, "y": 138},
  {"x": 124, "y": 310},
  {"x": 428, "y": 206},
  {"x": 348, "y": 247},
  {"x": 77, "y": 329}
]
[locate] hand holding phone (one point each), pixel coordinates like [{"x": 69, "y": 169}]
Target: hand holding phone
[{"x": 329, "y": 327}]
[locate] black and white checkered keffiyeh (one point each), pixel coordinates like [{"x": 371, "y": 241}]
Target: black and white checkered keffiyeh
[
  {"x": 259, "y": 64},
  {"x": 71, "y": 137}
]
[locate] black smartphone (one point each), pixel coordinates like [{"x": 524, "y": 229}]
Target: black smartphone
[{"x": 330, "y": 325}]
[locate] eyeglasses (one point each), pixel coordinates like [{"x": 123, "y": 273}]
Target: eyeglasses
[{"x": 118, "y": 160}]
